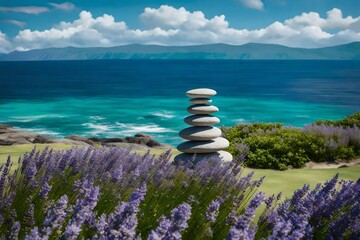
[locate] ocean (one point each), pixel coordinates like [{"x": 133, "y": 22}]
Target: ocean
[{"x": 118, "y": 98}]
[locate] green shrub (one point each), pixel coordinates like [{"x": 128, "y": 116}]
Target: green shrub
[
  {"x": 349, "y": 121},
  {"x": 272, "y": 145}
]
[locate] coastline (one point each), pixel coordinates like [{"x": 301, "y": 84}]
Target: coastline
[{"x": 10, "y": 136}]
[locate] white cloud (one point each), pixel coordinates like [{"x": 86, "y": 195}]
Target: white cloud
[
  {"x": 5, "y": 45},
  {"x": 15, "y": 22},
  {"x": 66, "y": 6},
  {"x": 171, "y": 26},
  {"x": 255, "y": 4},
  {"x": 25, "y": 9},
  {"x": 334, "y": 20}
]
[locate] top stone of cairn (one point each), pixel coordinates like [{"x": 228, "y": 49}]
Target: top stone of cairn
[{"x": 201, "y": 93}]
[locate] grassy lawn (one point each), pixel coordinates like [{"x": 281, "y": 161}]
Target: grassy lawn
[{"x": 275, "y": 181}]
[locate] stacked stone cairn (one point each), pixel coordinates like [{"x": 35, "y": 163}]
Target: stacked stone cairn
[{"x": 204, "y": 140}]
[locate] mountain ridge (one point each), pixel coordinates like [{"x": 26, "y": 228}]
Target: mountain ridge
[{"x": 249, "y": 51}]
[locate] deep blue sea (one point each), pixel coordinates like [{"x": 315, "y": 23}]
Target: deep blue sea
[{"x": 117, "y": 98}]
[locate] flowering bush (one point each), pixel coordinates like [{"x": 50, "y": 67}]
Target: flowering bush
[
  {"x": 99, "y": 193},
  {"x": 275, "y": 146}
]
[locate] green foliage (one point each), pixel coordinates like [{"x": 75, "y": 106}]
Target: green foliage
[
  {"x": 274, "y": 146},
  {"x": 349, "y": 121}
]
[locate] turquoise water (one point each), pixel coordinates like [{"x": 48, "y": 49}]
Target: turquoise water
[{"x": 122, "y": 98}]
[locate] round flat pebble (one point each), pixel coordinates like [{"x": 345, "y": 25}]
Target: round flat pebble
[
  {"x": 200, "y": 100},
  {"x": 208, "y": 146},
  {"x": 201, "y": 120},
  {"x": 202, "y": 109},
  {"x": 185, "y": 157},
  {"x": 201, "y": 93},
  {"x": 200, "y": 133}
]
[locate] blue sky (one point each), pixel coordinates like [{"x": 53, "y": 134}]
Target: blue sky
[{"x": 91, "y": 23}]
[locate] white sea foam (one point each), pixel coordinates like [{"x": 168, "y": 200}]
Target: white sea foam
[
  {"x": 98, "y": 129},
  {"x": 34, "y": 118},
  {"x": 239, "y": 120},
  {"x": 302, "y": 116},
  {"x": 41, "y": 131},
  {"x": 123, "y": 129},
  {"x": 97, "y": 118},
  {"x": 144, "y": 128},
  {"x": 164, "y": 114}
]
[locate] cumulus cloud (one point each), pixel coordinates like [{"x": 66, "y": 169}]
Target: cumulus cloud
[
  {"x": 5, "y": 45},
  {"x": 334, "y": 20},
  {"x": 15, "y": 22},
  {"x": 167, "y": 25},
  {"x": 66, "y": 6},
  {"x": 25, "y": 9},
  {"x": 255, "y": 4}
]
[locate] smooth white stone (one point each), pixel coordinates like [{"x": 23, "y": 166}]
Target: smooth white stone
[
  {"x": 185, "y": 157},
  {"x": 208, "y": 146},
  {"x": 200, "y": 133},
  {"x": 200, "y": 100},
  {"x": 201, "y": 120},
  {"x": 202, "y": 109},
  {"x": 201, "y": 93}
]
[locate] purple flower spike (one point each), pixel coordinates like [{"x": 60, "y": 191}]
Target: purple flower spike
[
  {"x": 14, "y": 234},
  {"x": 82, "y": 213},
  {"x": 123, "y": 223},
  {"x": 242, "y": 229},
  {"x": 213, "y": 211},
  {"x": 45, "y": 190},
  {"x": 172, "y": 226},
  {"x": 4, "y": 173},
  {"x": 55, "y": 216},
  {"x": 31, "y": 171},
  {"x": 35, "y": 235}
]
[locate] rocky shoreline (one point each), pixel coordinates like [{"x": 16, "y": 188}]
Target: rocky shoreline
[{"x": 12, "y": 136}]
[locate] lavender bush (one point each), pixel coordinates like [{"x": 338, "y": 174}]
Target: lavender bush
[{"x": 99, "y": 193}]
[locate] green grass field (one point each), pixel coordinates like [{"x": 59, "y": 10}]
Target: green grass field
[{"x": 275, "y": 181}]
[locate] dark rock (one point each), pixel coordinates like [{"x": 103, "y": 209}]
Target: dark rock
[
  {"x": 6, "y": 142},
  {"x": 106, "y": 140},
  {"x": 80, "y": 139},
  {"x": 137, "y": 140},
  {"x": 153, "y": 143},
  {"x": 10, "y": 136},
  {"x": 4, "y": 126},
  {"x": 143, "y": 135},
  {"x": 43, "y": 139}
]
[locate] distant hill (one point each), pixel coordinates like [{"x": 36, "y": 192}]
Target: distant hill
[{"x": 249, "y": 51}]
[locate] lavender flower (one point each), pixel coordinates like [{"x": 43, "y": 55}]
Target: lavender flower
[
  {"x": 117, "y": 174},
  {"x": 35, "y": 235},
  {"x": 213, "y": 211},
  {"x": 4, "y": 173},
  {"x": 29, "y": 216},
  {"x": 242, "y": 229},
  {"x": 160, "y": 232},
  {"x": 172, "y": 226},
  {"x": 14, "y": 234},
  {"x": 101, "y": 225},
  {"x": 55, "y": 216},
  {"x": 45, "y": 190},
  {"x": 123, "y": 222},
  {"x": 31, "y": 171},
  {"x": 82, "y": 213}
]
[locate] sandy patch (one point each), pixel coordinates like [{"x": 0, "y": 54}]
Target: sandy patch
[{"x": 336, "y": 164}]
